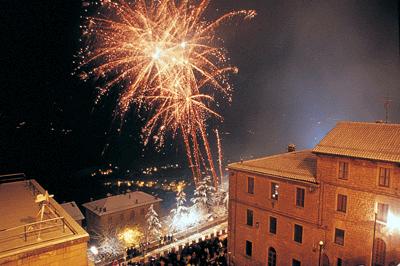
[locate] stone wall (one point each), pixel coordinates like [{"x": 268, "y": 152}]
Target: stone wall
[
  {"x": 319, "y": 217},
  {"x": 363, "y": 193},
  {"x": 284, "y": 210},
  {"x": 56, "y": 255}
]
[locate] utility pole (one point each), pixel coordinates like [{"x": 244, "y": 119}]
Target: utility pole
[{"x": 387, "y": 105}]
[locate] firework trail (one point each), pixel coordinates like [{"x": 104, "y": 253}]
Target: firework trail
[
  {"x": 161, "y": 57},
  {"x": 219, "y": 153}
]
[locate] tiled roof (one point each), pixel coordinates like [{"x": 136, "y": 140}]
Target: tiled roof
[
  {"x": 299, "y": 165},
  {"x": 73, "y": 210},
  {"x": 376, "y": 141},
  {"x": 120, "y": 202}
]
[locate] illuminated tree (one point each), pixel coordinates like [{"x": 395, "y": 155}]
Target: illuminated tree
[
  {"x": 108, "y": 242},
  {"x": 180, "y": 204},
  {"x": 226, "y": 199},
  {"x": 181, "y": 215},
  {"x": 204, "y": 195},
  {"x": 153, "y": 223}
]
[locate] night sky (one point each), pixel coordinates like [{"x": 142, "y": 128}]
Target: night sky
[{"x": 304, "y": 65}]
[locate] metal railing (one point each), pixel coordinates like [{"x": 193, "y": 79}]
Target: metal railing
[
  {"x": 12, "y": 177},
  {"x": 34, "y": 227},
  {"x": 37, "y": 227},
  {"x": 180, "y": 236}
]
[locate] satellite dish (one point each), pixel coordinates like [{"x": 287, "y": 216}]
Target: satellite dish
[
  {"x": 43, "y": 200},
  {"x": 43, "y": 197}
]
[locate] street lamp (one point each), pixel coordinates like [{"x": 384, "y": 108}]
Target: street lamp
[
  {"x": 373, "y": 240},
  {"x": 392, "y": 224},
  {"x": 94, "y": 250},
  {"x": 321, "y": 245}
]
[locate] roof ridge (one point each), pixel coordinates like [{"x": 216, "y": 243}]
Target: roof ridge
[
  {"x": 376, "y": 141},
  {"x": 367, "y": 123},
  {"x": 298, "y": 165},
  {"x": 274, "y": 156}
]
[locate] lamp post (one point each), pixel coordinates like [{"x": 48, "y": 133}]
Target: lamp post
[
  {"x": 321, "y": 245},
  {"x": 373, "y": 240}
]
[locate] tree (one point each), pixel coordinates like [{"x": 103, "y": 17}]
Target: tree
[
  {"x": 179, "y": 215},
  {"x": 204, "y": 195},
  {"x": 226, "y": 200},
  {"x": 180, "y": 204},
  {"x": 153, "y": 223},
  {"x": 108, "y": 243}
]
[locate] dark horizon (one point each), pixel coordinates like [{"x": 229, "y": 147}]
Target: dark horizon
[{"x": 303, "y": 67}]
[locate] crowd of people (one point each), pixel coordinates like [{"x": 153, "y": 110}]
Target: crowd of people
[
  {"x": 132, "y": 252},
  {"x": 208, "y": 252}
]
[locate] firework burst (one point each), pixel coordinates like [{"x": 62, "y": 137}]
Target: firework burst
[{"x": 163, "y": 57}]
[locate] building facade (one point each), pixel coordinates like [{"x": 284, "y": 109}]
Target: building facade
[
  {"x": 323, "y": 206},
  {"x": 119, "y": 211}
]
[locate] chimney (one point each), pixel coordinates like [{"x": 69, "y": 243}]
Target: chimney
[{"x": 291, "y": 147}]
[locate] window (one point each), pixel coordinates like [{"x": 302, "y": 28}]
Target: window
[
  {"x": 296, "y": 262},
  {"x": 249, "y": 248},
  {"x": 142, "y": 211},
  {"x": 384, "y": 177},
  {"x": 274, "y": 191},
  {"x": 300, "y": 192},
  {"x": 343, "y": 170},
  {"x": 298, "y": 233},
  {"x": 382, "y": 214},
  {"x": 132, "y": 216},
  {"x": 379, "y": 252},
  {"x": 341, "y": 203},
  {"x": 339, "y": 236},
  {"x": 110, "y": 219},
  {"x": 250, "y": 185},
  {"x": 272, "y": 225},
  {"x": 249, "y": 220},
  {"x": 121, "y": 216},
  {"x": 339, "y": 262},
  {"x": 271, "y": 257}
]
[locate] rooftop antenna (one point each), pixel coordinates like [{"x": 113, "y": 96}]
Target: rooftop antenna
[
  {"x": 43, "y": 200},
  {"x": 387, "y": 105}
]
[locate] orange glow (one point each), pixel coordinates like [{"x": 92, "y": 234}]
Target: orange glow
[{"x": 130, "y": 236}]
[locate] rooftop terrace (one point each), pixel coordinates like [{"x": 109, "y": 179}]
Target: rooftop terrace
[{"x": 20, "y": 227}]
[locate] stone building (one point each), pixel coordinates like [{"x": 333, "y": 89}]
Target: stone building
[
  {"x": 324, "y": 205},
  {"x": 119, "y": 211},
  {"x": 25, "y": 239}
]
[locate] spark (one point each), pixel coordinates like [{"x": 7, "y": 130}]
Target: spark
[
  {"x": 219, "y": 153},
  {"x": 166, "y": 58},
  {"x": 130, "y": 236}
]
